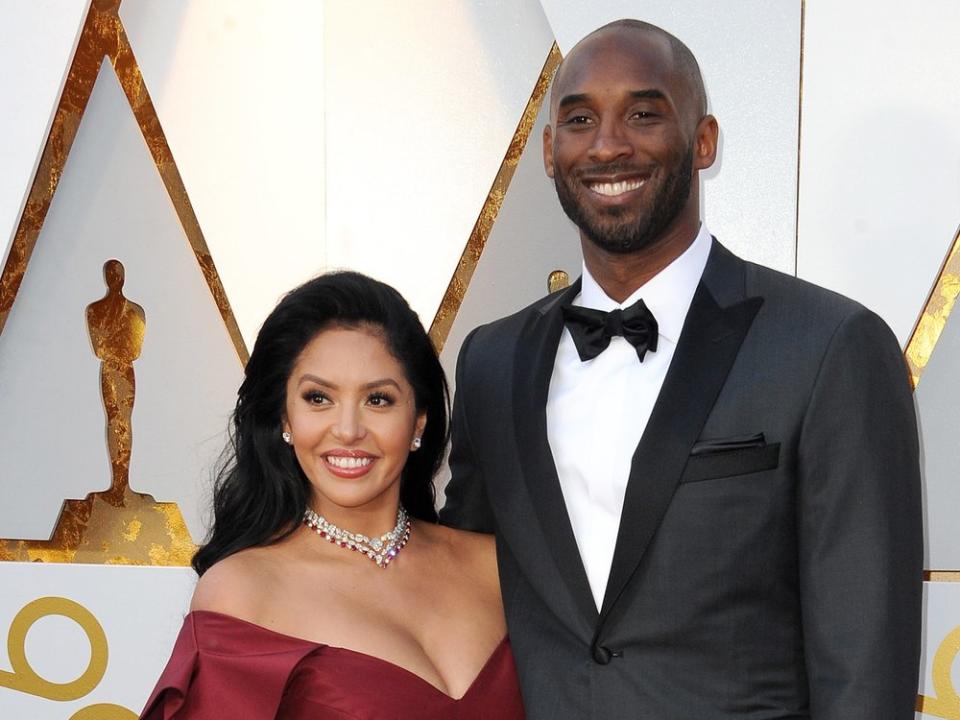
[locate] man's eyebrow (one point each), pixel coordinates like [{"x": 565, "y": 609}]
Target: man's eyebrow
[
  {"x": 573, "y": 99},
  {"x": 651, "y": 94}
]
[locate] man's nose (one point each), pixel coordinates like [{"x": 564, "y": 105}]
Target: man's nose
[
  {"x": 609, "y": 143},
  {"x": 349, "y": 426}
]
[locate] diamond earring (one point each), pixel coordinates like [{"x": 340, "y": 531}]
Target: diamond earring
[
  {"x": 286, "y": 437},
  {"x": 417, "y": 442}
]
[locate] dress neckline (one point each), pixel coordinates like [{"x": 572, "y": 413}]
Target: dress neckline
[{"x": 497, "y": 651}]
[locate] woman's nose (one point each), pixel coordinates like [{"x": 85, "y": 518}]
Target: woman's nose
[{"x": 349, "y": 426}]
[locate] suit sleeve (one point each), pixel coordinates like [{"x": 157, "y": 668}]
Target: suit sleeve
[
  {"x": 860, "y": 529},
  {"x": 466, "y": 506}
]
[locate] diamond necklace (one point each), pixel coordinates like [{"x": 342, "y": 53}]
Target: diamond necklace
[{"x": 381, "y": 549}]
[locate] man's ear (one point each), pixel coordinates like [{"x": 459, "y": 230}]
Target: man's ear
[
  {"x": 548, "y": 150},
  {"x": 705, "y": 142}
]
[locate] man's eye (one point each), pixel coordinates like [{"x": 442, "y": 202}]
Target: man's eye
[{"x": 577, "y": 120}]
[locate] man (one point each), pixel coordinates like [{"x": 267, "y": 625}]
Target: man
[{"x": 703, "y": 474}]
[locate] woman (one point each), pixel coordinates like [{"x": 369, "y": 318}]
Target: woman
[{"x": 327, "y": 589}]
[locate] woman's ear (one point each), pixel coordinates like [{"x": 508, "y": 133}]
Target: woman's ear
[{"x": 418, "y": 427}]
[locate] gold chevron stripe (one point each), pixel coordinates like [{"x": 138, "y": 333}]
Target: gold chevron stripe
[
  {"x": 457, "y": 289},
  {"x": 935, "y": 314},
  {"x": 102, "y": 35}
]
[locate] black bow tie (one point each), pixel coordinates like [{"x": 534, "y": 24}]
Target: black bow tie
[{"x": 592, "y": 329}]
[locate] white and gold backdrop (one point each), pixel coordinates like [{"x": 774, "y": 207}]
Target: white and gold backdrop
[{"x": 219, "y": 152}]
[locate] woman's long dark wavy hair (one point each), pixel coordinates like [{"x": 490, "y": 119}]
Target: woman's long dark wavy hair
[{"x": 260, "y": 492}]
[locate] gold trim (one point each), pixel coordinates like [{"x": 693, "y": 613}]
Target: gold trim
[
  {"x": 73, "y": 101},
  {"x": 457, "y": 289},
  {"x": 796, "y": 220},
  {"x": 933, "y": 319},
  {"x": 941, "y": 576},
  {"x": 131, "y": 79},
  {"x": 558, "y": 280}
]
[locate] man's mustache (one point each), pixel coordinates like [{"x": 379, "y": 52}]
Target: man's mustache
[{"x": 617, "y": 168}]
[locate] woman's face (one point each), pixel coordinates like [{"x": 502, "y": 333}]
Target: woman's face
[{"x": 352, "y": 418}]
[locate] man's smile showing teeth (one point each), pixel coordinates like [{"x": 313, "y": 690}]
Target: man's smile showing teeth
[
  {"x": 612, "y": 189},
  {"x": 349, "y": 463}
]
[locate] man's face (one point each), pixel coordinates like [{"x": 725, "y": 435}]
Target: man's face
[{"x": 621, "y": 149}]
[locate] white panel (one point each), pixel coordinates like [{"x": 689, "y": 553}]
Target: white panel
[
  {"x": 941, "y": 616},
  {"x": 140, "y": 610},
  {"x": 238, "y": 87},
  {"x": 422, "y": 101},
  {"x": 749, "y": 54},
  {"x": 879, "y": 171},
  {"x": 37, "y": 38},
  {"x": 938, "y": 411},
  {"x": 110, "y": 203}
]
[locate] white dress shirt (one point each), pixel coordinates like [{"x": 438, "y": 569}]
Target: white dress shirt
[{"x": 597, "y": 410}]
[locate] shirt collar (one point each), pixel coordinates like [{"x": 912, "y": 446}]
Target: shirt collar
[{"x": 667, "y": 294}]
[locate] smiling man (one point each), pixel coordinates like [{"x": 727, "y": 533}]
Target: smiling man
[{"x": 703, "y": 474}]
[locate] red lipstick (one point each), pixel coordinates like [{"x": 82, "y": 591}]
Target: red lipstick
[{"x": 348, "y": 464}]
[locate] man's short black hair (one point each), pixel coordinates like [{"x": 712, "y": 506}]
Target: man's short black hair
[{"x": 686, "y": 64}]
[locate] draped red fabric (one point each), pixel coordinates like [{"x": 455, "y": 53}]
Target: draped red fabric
[{"x": 223, "y": 667}]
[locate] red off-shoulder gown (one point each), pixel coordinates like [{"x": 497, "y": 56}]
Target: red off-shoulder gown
[{"x": 223, "y": 667}]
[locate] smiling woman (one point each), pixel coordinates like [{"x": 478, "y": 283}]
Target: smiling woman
[
  {"x": 352, "y": 419},
  {"x": 306, "y": 606}
]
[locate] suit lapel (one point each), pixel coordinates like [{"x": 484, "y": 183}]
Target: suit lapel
[
  {"x": 705, "y": 352},
  {"x": 533, "y": 368}
]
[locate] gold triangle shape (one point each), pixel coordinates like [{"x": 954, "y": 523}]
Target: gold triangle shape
[{"x": 117, "y": 526}]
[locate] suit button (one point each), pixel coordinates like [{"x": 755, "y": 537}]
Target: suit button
[{"x": 601, "y": 655}]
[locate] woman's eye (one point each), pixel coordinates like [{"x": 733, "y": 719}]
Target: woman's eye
[
  {"x": 380, "y": 400},
  {"x": 315, "y": 397}
]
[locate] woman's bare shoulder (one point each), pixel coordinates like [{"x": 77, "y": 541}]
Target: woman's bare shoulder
[{"x": 237, "y": 585}]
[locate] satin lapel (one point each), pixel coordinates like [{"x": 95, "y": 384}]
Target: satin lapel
[
  {"x": 533, "y": 368},
  {"x": 705, "y": 353}
]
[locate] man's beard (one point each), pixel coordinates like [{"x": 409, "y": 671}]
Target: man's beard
[{"x": 608, "y": 231}]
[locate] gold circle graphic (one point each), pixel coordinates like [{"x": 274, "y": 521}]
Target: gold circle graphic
[
  {"x": 25, "y": 679},
  {"x": 104, "y": 711}
]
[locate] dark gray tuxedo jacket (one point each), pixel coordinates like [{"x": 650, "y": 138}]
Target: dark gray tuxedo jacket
[{"x": 769, "y": 556}]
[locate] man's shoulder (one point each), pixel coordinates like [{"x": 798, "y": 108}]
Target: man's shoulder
[
  {"x": 510, "y": 325},
  {"x": 801, "y": 307},
  {"x": 790, "y": 293},
  {"x": 780, "y": 286}
]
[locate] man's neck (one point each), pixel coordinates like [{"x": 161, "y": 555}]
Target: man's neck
[{"x": 620, "y": 275}]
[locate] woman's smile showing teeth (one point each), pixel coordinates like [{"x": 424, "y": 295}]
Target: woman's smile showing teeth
[
  {"x": 348, "y": 463},
  {"x": 612, "y": 189}
]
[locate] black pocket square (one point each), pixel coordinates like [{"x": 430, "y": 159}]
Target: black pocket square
[
  {"x": 730, "y": 456},
  {"x": 734, "y": 442}
]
